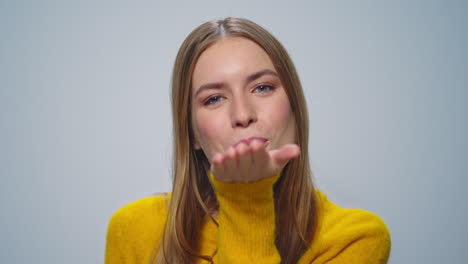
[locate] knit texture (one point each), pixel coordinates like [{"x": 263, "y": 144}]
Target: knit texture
[{"x": 246, "y": 230}]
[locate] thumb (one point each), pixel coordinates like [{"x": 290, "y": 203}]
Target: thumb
[{"x": 284, "y": 154}]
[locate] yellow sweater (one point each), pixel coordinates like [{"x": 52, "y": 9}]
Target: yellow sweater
[{"x": 246, "y": 230}]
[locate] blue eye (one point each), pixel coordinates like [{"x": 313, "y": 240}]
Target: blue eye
[
  {"x": 213, "y": 100},
  {"x": 264, "y": 88}
]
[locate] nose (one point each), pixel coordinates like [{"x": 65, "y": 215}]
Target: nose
[{"x": 243, "y": 113}]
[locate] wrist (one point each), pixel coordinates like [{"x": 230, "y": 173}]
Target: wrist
[{"x": 256, "y": 190}]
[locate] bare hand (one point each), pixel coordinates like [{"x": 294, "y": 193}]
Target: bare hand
[{"x": 250, "y": 161}]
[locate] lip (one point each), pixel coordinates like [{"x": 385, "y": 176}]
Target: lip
[{"x": 248, "y": 140}]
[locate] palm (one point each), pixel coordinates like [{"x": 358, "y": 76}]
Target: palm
[{"x": 249, "y": 162}]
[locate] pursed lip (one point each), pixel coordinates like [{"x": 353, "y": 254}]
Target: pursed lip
[{"x": 248, "y": 140}]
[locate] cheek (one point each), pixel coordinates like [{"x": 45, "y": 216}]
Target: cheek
[
  {"x": 209, "y": 130},
  {"x": 282, "y": 121},
  {"x": 282, "y": 113}
]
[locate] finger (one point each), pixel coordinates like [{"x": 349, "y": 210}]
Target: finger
[
  {"x": 230, "y": 163},
  {"x": 259, "y": 153},
  {"x": 217, "y": 164},
  {"x": 244, "y": 154},
  {"x": 284, "y": 154}
]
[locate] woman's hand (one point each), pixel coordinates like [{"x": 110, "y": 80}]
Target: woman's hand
[{"x": 250, "y": 161}]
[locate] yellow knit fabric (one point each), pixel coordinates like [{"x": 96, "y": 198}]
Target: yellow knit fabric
[{"x": 246, "y": 230}]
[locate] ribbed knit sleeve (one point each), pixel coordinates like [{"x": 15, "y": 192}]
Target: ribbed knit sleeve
[{"x": 246, "y": 222}]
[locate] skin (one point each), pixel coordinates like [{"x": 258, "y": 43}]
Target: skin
[{"x": 244, "y": 126}]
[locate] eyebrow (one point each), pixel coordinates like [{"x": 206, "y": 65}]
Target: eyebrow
[{"x": 250, "y": 78}]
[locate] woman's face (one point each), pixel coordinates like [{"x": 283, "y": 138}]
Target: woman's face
[{"x": 237, "y": 96}]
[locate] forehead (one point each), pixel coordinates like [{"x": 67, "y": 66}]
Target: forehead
[{"x": 230, "y": 58}]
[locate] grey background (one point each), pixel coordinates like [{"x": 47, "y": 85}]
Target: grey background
[{"x": 86, "y": 128}]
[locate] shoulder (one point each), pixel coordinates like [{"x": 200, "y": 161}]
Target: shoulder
[
  {"x": 135, "y": 229},
  {"x": 146, "y": 214},
  {"x": 336, "y": 216},
  {"x": 353, "y": 233},
  {"x": 143, "y": 208}
]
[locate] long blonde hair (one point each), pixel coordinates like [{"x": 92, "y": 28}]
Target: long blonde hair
[{"x": 192, "y": 195}]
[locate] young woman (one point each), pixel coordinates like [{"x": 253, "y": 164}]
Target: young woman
[{"x": 242, "y": 189}]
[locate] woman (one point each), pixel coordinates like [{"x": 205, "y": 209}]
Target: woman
[{"x": 242, "y": 189}]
